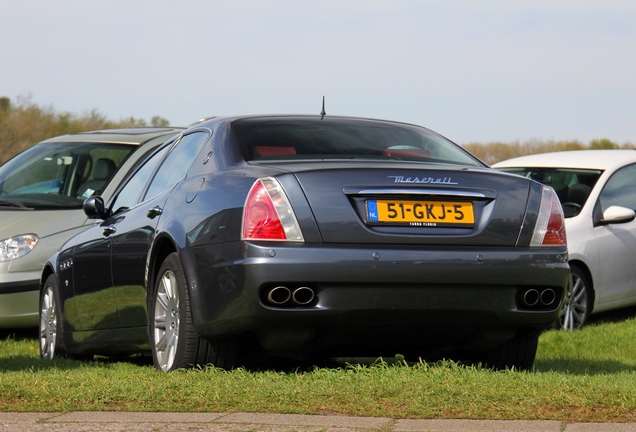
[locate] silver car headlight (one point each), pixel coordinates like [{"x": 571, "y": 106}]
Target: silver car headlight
[{"x": 16, "y": 247}]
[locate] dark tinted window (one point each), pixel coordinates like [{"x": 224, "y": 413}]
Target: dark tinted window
[
  {"x": 620, "y": 189},
  {"x": 343, "y": 138}
]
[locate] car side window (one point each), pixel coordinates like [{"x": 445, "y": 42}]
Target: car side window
[
  {"x": 130, "y": 194},
  {"x": 177, "y": 163},
  {"x": 620, "y": 189}
]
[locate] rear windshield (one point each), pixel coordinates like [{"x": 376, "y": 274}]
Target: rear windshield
[
  {"x": 343, "y": 138},
  {"x": 573, "y": 186},
  {"x": 58, "y": 175}
]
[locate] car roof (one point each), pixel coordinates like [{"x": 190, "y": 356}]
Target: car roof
[
  {"x": 136, "y": 135},
  {"x": 586, "y": 159},
  {"x": 208, "y": 121}
]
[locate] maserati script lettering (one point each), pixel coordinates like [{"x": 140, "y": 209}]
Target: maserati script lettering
[{"x": 423, "y": 180}]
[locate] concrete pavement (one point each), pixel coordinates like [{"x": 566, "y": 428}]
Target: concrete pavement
[{"x": 104, "y": 421}]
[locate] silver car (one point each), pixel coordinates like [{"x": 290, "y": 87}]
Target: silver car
[
  {"x": 41, "y": 194},
  {"x": 597, "y": 189}
]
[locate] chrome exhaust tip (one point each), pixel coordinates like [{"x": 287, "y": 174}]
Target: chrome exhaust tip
[
  {"x": 279, "y": 295},
  {"x": 548, "y": 296},
  {"x": 531, "y": 297},
  {"x": 303, "y": 295}
]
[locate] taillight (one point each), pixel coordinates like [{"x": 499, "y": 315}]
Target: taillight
[
  {"x": 550, "y": 227},
  {"x": 268, "y": 215}
]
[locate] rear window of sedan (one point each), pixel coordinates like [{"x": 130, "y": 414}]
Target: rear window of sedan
[
  {"x": 344, "y": 138},
  {"x": 573, "y": 186}
]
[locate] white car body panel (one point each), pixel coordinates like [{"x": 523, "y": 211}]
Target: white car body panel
[{"x": 607, "y": 251}]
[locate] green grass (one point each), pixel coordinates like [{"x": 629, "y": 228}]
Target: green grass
[{"x": 589, "y": 375}]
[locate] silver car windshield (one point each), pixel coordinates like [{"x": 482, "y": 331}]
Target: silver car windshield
[{"x": 58, "y": 175}]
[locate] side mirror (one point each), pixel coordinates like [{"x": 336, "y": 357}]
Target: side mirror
[
  {"x": 617, "y": 214},
  {"x": 94, "y": 207}
]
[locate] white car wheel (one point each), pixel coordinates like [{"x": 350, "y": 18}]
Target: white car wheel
[{"x": 578, "y": 299}]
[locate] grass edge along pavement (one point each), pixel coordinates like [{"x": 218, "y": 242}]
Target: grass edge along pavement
[
  {"x": 108, "y": 420},
  {"x": 585, "y": 376}
]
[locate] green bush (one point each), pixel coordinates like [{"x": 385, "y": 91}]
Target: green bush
[{"x": 497, "y": 151}]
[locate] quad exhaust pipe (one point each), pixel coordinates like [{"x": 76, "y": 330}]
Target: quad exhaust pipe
[{"x": 284, "y": 296}]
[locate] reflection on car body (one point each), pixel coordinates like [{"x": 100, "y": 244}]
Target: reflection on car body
[
  {"x": 254, "y": 235},
  {"x": 597, "y": 189},
  {"x": 41, "y": 194}
]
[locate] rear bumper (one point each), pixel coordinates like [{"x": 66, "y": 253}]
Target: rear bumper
[{"x": 433, "y": 297}]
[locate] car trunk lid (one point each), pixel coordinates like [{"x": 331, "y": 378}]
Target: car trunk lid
[{"x": 439, "y": 205}]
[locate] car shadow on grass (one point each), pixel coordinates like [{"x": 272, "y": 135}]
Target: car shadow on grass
[
  {"x": 35, "y": 363},
  {"x": 613, "y": 316},
  {"x": 19, "y": 334},
  {"x": 573, "y": 366},
  {"x": 582, "y": 366}
]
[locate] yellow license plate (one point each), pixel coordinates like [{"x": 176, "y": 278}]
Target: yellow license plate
[{"x": 420, "y": 213}]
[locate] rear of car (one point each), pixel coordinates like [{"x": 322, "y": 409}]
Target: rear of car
[
  {"x": 41, "y": 194},
  {"x": 363, "y": 237}
]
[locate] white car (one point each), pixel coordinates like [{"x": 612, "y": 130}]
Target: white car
[{"x": 597, "y": 189}]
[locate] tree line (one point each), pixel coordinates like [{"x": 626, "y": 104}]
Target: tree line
[
  {"x": 24, "y": 123},
  {"x": 498, "y": 151}
]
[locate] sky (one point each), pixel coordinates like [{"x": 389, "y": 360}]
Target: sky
[{"x": 474, "y": 71}]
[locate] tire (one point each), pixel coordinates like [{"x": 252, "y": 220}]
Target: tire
[
  {"x": 518, "y": 353},
  {"x": 50, "y": 321},
  {"x": 578, "y": 302},
  {"x": 175, "y": 343}
]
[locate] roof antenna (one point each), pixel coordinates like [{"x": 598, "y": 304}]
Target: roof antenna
[{"x": 323, "y": 113}]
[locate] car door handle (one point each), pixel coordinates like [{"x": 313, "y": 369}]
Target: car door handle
[
  {"x": 108, "y": 230},
  {"x": 154, "y": 212}
]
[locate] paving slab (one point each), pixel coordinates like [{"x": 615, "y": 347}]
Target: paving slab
[
  {"x": 601, "y": 427},
  {"x": 134, "y": 417},
  {"x": 107, "y": 421},
  {"x": 19, "y": 417},
  {"x": 310, "y": 420},
  {"x": 434, "y": 425}
]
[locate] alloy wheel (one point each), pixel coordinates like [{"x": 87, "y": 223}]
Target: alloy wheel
[
  {"x": 575, "y": 308},
  {"x": 48, "y": 324},
  {"x": 166, "y": 320}
]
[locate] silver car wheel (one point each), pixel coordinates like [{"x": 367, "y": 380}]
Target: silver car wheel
[
  {"x": 48, "y": 324},
  {"x": 166, "y": 320},
  {"x": 574, "y": 313}
]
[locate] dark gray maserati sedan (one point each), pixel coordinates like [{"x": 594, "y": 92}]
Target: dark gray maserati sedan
[{"x": 312, "y": 236}]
